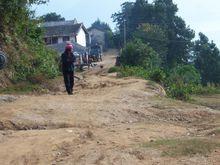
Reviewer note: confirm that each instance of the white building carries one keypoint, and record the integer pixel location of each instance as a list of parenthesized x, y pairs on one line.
[(97, 36), (65, 31)]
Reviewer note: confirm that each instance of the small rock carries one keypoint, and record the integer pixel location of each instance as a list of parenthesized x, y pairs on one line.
[(7, 98), (69, 131)]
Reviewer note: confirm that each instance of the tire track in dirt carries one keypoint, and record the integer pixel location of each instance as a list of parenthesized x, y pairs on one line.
[(104, 122)]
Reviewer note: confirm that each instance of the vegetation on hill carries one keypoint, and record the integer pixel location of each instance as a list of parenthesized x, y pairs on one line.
[(49, 17), (165, 50), (29, 59)]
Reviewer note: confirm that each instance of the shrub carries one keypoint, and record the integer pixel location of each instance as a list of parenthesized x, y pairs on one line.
[(34, 58), (113, 69), (128, 71), (178, 91), (157, 75), (210, 89), (179, 83), (186, 74), (182, 81), (137, 53), (184, 147), (40, 61)]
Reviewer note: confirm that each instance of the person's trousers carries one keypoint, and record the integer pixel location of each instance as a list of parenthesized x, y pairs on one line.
[(69, 81)]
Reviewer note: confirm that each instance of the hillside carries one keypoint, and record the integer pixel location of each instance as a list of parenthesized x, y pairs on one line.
[(28, 58), (107, 121)]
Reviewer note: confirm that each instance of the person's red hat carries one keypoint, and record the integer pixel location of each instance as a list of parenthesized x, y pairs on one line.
[(69, 46)]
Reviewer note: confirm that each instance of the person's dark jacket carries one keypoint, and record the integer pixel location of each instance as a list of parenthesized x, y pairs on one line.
[(68, 62)]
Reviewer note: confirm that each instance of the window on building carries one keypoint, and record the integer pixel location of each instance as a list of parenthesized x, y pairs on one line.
[(54, 40), (66, 38), (47, 41)]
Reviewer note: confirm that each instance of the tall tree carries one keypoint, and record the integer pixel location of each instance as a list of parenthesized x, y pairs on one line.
[(180, 36), (121, 19), (207, 60), (101, 25), (163, 14), (11, 14), (52, 17), (155, 37)]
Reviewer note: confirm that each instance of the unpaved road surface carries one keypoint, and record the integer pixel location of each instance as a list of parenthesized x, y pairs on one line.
[(106, 122)]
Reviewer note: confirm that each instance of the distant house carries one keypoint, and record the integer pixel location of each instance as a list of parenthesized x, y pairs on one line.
[(57, 34), (97, 36)]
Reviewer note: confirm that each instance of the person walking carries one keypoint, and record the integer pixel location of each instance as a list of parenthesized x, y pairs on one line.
[(68, 59)]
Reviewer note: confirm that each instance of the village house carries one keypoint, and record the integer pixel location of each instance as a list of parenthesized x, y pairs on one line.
[(97, 36), (57, 34)]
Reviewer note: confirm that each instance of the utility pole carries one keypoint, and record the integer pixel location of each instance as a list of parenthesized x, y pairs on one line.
[(125, 37)]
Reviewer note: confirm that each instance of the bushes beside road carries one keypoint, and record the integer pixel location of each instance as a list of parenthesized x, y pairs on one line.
[(140, 60)]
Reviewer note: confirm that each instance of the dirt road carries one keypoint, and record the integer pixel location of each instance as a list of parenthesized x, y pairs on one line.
[(107, 121)]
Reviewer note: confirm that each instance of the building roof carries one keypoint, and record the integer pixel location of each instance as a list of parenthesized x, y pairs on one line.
[(96, 28), (58, 23), (62, 28)]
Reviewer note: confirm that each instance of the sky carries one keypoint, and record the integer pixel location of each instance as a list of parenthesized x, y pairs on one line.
[(201, 16)]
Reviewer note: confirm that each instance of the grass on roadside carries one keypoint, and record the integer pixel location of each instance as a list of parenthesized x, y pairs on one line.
[(211, 101), (23, 88), (184, 147), (113, 69)]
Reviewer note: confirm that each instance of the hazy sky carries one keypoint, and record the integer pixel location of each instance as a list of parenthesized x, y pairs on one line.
[(202, 16)]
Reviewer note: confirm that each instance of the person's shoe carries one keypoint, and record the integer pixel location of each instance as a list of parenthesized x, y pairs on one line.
[(70, 93)]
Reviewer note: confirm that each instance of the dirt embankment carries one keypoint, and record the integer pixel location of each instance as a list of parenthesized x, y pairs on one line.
[(107, 121)]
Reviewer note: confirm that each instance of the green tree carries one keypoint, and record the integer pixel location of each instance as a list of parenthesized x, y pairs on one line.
[(121, 19), (155, 36), (52, 17), (12, 12), (207, 60), (137, 53), (180, 36), (163, 14), (23, 43), (98, 24)]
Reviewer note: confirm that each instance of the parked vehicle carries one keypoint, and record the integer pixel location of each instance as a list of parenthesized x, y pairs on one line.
[(96, 53), (82, 59)]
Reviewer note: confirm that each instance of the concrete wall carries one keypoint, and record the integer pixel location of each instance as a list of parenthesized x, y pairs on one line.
[(97, 36), (81, 37), (73, 39), (60, 40)]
